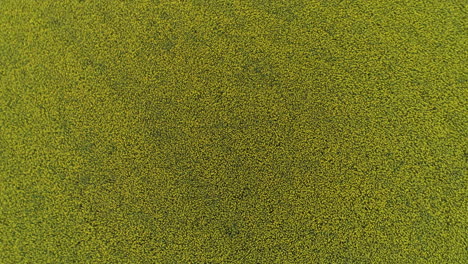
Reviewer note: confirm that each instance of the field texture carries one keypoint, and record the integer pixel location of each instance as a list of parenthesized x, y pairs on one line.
[(229, 131)]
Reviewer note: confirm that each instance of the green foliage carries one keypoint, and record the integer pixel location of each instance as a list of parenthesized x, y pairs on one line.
[(195, 131)]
